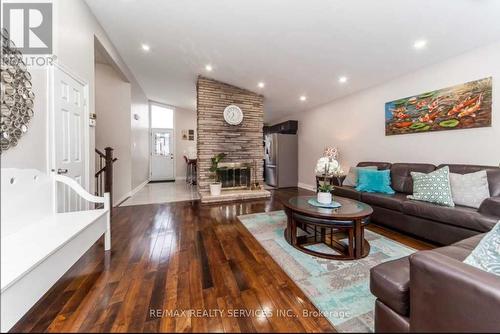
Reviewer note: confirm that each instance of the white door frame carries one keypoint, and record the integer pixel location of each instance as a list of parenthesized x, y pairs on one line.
[(51, 161), (174, 130)]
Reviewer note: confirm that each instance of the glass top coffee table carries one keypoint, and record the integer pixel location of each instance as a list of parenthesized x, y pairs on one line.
[(341, 230)]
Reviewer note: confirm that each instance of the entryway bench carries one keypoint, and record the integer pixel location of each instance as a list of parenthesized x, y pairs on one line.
[(38, 244)]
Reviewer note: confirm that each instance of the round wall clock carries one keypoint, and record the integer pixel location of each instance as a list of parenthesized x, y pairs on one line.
[(233, 115)]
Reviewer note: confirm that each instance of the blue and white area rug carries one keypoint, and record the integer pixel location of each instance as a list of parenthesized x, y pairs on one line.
[(339, 289)]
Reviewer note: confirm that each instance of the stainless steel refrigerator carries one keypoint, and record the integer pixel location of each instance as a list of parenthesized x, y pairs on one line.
[(281, 160)]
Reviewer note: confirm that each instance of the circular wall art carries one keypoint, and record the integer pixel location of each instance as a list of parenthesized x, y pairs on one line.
[(233, 115), (17, 96)]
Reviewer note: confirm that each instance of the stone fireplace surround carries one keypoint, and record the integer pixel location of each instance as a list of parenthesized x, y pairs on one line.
[(242, 143), (235, 175)]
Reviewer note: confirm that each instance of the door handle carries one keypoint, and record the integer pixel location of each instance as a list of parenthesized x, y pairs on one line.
[(61, 171)]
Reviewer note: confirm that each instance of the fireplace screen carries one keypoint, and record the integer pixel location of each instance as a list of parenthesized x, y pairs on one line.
[(235, 175)]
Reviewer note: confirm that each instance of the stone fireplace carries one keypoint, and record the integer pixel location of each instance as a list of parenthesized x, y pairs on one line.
[(242, 143)]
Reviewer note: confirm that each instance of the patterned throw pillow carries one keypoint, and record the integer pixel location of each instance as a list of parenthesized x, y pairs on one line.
[(486, 255), (433, 187)]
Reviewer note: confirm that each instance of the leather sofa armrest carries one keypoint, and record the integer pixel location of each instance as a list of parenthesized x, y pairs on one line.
[(491, 206), (447, 295)]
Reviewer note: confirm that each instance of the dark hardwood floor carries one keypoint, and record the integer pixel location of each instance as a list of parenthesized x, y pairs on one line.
[(180, 257)]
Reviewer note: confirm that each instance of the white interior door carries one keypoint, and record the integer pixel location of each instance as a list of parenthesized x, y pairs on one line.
[(69, 137), (162, 154)]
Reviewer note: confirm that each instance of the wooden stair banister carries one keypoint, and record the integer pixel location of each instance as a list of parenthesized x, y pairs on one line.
[(104, 176)]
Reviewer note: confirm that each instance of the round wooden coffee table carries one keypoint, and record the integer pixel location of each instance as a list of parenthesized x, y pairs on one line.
[(310, 228)]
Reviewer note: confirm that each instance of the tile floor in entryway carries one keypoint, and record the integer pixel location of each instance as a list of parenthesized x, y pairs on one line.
[(163, 192)]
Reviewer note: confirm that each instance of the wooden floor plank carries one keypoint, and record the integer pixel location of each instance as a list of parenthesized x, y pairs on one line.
[(181, 257)]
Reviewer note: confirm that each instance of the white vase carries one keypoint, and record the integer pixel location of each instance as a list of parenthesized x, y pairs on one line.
[(325, 198), (215, 189)]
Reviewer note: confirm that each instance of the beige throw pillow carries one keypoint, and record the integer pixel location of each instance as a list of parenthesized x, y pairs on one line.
[(351, 179), (469, 189)]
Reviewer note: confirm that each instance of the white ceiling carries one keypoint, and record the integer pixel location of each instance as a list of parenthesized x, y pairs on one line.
[(297, 47)]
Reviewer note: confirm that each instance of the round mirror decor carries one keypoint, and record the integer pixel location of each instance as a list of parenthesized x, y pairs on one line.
[(17, 97)]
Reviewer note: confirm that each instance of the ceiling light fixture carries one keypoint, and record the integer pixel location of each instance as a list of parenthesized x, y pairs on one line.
[(208, 68), (145, 47), (261, 84), (420, 44), (343, 79), (303, 98)]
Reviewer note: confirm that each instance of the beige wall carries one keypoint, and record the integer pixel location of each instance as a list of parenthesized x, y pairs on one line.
[(139, 137), (75, 29), (112, 106), (356, 124), (183, 120)]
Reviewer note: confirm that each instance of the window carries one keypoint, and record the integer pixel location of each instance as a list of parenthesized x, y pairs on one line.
[(161, 144), (162, 117)]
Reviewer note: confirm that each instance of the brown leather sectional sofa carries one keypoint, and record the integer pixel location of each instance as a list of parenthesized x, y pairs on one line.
[(438, 224), (434, 291)]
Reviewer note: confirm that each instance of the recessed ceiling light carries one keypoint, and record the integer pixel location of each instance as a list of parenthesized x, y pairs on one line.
[(145, 47), (261, 84), (208, 68), (420, 44), (303, 98), (342, 79)]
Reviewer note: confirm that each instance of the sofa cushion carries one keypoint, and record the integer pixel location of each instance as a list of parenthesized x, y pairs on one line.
[(348, 192), (461, 216), (393, 202), (490, 206), (460, 250), (390, 282), (379, 165), (492, 172), (401, 178), (470, 243)]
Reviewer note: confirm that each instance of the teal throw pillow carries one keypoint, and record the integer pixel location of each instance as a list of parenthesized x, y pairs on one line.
[(486, 255), (375, 181), (433, 187)]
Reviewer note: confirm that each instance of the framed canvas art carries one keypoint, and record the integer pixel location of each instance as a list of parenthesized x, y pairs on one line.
[(463, 106)]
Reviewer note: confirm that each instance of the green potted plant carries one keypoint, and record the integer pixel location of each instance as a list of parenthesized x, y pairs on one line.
[(216, 185)]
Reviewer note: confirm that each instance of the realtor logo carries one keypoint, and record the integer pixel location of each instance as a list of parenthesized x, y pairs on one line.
[(29, 26)]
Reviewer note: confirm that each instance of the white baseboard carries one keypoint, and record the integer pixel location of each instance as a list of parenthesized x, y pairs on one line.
[(306, 186), (130, 193), (139, 187)]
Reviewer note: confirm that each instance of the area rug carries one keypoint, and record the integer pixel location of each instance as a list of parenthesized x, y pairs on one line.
[(339, 289)]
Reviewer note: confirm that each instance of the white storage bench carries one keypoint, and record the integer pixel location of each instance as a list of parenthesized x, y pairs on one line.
[(39, 245)]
